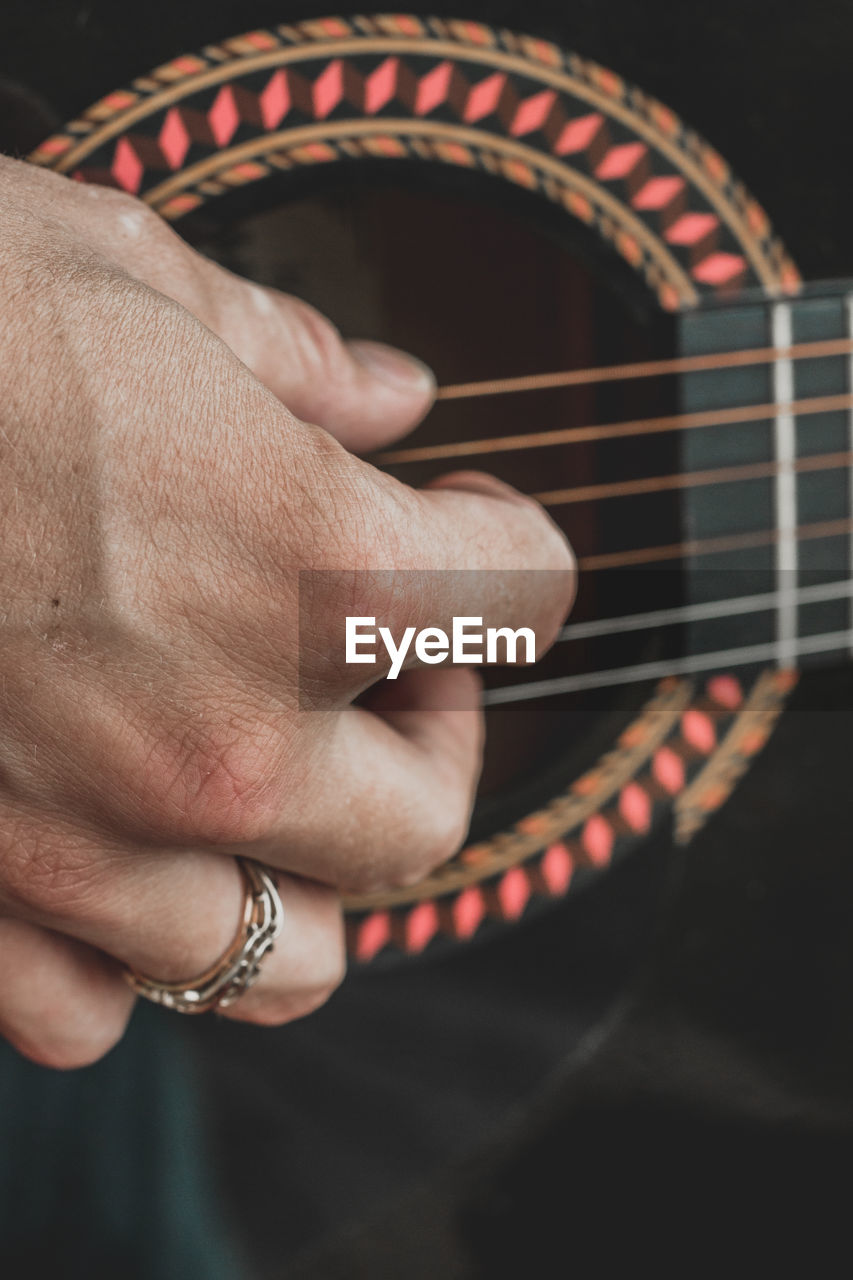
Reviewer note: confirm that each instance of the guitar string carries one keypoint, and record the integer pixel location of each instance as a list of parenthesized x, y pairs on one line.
[(720, 609), (720, 659), (691, 479), (742, 655), (699, 547), (736, 414), (728, 607), (644, 369)]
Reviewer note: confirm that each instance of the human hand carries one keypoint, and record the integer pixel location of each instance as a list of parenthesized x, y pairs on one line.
[(161, 488)]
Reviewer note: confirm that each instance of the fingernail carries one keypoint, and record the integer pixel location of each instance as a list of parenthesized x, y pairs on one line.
[(396, 368)]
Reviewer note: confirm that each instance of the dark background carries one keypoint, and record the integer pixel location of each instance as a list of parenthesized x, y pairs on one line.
[(665, 1064)]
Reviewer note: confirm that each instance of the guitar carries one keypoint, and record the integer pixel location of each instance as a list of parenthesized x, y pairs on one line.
[(617, 330)]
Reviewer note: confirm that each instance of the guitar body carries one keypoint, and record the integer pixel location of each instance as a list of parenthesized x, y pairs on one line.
[(504, 207)]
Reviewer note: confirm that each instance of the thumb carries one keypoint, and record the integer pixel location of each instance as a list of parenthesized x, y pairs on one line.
[(366, 394)]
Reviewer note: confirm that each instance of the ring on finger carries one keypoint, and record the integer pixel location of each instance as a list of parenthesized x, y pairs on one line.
[(239, 967)]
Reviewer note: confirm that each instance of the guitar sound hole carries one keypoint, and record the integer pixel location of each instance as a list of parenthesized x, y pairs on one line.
[(485, 286)]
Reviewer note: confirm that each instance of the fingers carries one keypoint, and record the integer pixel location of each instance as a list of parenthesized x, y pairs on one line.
[(490, 526), (366, 394), (527, 575), (208, 502), (169, 915), (306, 964), (390, 794), (408, 779), (62, 1003), (468, 547)]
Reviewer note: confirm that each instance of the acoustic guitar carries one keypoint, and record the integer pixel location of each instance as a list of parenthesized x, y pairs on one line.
[(616, 329)]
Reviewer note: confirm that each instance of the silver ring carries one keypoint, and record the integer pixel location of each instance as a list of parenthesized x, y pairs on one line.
[(236, 971)]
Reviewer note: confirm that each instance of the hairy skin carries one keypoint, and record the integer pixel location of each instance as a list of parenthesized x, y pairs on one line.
[(162, 483)]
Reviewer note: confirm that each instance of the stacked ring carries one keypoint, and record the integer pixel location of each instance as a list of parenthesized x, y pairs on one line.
[(236, 971)]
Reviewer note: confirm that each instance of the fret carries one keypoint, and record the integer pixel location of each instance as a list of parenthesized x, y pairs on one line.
[(822, 314), (730, 508), (785, 488)]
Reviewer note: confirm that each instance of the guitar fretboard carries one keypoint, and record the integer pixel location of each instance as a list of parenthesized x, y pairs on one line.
[(772, 570)]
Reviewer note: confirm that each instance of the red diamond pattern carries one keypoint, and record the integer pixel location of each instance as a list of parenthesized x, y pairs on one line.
[(433, 88), (597, 840), (532, 113), (328, 89), (274, 101), (421, 926), (694, 232), (620, 161), (668, 770), (174, 138), (468, 911), (578, 134), (127, 168), (224, 116), (635, 807), (691, 227), (484, 97), (381, 85), (720, 268), (657, 193), (513, 893), (698, 730), (727, 691), (556, 868), (374, 933)]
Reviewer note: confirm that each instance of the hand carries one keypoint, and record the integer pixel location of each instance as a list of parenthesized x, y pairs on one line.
[(161, 487)]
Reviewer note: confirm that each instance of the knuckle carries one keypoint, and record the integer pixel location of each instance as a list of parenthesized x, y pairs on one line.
[(358, 881), (121, 216), (134, 237), (319, 342), (222, 787), (378, 871), (449, 828), (48, 875), (415, 858), (140, 224), (445, 838), (348, 519), (122, 202)]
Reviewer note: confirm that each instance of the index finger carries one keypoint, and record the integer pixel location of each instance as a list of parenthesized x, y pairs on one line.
[(478, 549), (403, 564)]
